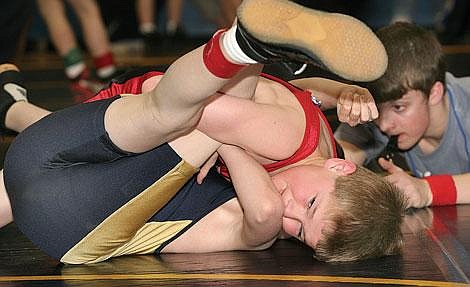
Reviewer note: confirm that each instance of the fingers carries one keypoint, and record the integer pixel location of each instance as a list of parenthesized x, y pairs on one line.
[(388, 165), (374, 111), (201, 175), (365, 109), (204, 170), (343, 108), (348, 109), (354, 108)]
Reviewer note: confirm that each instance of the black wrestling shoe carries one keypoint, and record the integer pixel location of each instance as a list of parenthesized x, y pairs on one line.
[(12, 90), (272, 31)]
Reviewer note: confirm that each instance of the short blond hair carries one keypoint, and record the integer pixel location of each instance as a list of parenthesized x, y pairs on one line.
[(367, 216)]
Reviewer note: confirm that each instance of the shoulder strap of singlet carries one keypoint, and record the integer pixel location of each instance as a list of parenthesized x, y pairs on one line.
[(337, 150), (312, 126)]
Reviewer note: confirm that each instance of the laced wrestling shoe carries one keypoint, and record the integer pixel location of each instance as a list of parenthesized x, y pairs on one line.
[(12, 90), (282, 31)]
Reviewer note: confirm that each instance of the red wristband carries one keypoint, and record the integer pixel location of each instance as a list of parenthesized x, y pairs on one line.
[(443, 189), (215, 60)]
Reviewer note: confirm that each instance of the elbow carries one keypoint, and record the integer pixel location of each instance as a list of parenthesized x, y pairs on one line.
[(269, 212), (263, 224)]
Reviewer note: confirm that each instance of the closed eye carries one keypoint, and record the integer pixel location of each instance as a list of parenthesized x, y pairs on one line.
[(301, 229), (299, 235), (311, 202)]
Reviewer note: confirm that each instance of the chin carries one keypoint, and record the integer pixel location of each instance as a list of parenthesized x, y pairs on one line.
[(405, 144)]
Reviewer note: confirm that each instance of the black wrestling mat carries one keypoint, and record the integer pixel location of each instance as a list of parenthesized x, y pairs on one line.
[(436, 253)]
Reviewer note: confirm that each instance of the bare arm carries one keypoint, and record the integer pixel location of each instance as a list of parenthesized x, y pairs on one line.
[(355, 104), (328, 91), (352, 152), (253, 126), (462, 183), (261, 202)]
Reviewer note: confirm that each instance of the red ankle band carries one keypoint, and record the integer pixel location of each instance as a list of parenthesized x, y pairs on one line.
[(104, 60), (215, 60), (443, 189)]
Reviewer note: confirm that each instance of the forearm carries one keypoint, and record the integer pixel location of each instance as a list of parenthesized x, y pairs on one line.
[(325, 90), (260, 200), (352, 152), (462, 184)]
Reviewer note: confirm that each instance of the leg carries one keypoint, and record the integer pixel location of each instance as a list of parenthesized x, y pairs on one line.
[(172, 109), (176, 99), (173, 11), (145, 10), (23, 114), (95, 36), (65, 42), (94, 31), (69, 158), (16, 114), (60, 30), (140, 123)]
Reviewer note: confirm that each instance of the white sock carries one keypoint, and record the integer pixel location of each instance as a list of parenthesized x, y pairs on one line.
[(171, 27), (74, 70), (105, 72), (147, 28), (233, 50)]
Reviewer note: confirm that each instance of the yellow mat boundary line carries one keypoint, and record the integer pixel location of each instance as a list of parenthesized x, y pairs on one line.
[(234, 276)]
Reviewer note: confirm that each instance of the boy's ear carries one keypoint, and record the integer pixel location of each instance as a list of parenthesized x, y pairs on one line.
[(340, 166), (437, 93)]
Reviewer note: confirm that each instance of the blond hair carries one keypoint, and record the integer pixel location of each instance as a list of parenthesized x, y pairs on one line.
[(366, 219)]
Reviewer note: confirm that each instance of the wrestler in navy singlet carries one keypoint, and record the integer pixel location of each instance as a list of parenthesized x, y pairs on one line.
[(71, 189)]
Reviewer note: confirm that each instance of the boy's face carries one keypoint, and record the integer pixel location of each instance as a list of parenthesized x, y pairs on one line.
[(308, 198), (407, 118)]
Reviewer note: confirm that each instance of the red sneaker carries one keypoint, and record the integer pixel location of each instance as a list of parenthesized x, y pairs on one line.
[(84, 89)]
